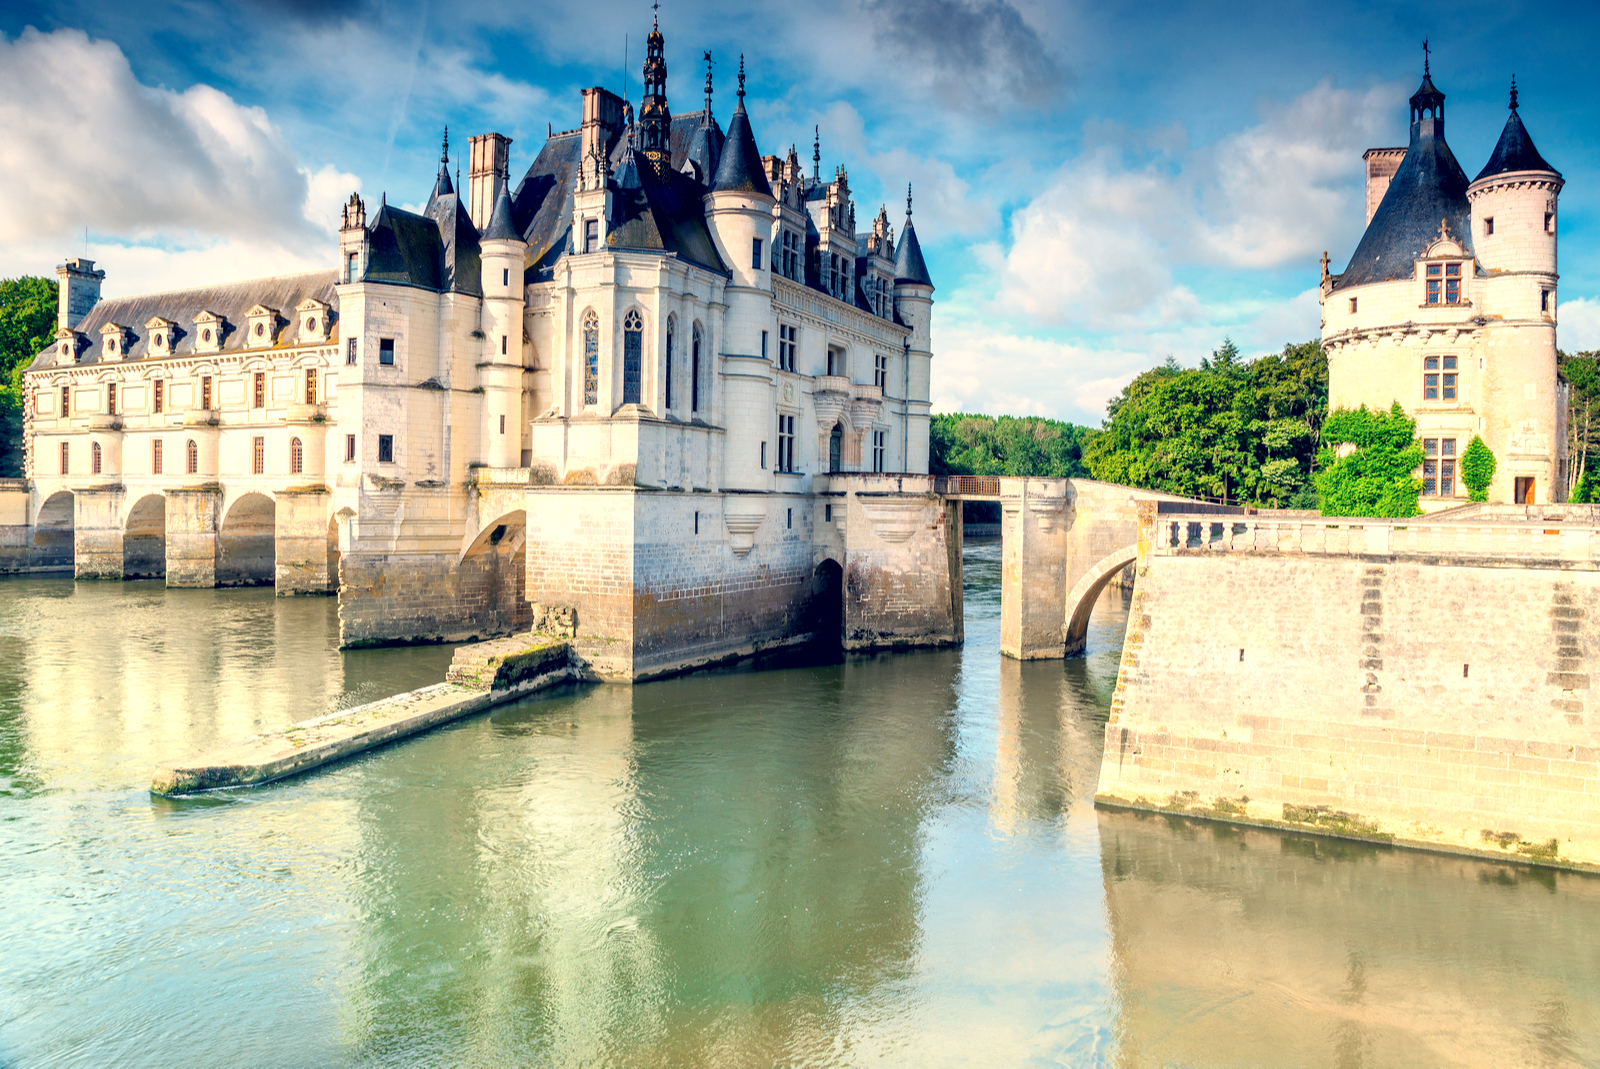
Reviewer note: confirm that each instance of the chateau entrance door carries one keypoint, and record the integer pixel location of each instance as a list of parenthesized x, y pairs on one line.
[(1523, 493)]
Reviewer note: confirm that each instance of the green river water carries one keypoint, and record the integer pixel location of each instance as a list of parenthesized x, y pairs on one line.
[(893, 860)]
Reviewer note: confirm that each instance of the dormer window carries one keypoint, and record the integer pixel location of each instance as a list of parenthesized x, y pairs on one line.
[(113, 341), (209, 330), (312, 316), (1444, 283), (67, 345), (161, 335), (261, 327)]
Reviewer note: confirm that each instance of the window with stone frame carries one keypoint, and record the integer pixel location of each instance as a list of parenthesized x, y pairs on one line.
[(878, 449), (591, 359), (65, 455), (880, 370), (296, 457), (632, 357), (385, 449), (158, 397), (155, 456), (205, 392), (785, 442), (672, 330), (1439, 378), (111, 398), (311, 385), (191, 457), (788, 342), (1439, 467), (695, 342), (94, 458), (66, 401), (1444, 283), (259, 393), (258, 455)]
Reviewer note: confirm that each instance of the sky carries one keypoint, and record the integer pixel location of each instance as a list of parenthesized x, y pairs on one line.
[(1098, 186)]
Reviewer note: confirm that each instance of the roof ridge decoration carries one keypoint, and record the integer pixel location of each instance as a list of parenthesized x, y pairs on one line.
[(740, 169)]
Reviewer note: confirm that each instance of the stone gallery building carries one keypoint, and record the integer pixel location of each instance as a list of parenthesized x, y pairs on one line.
[(1449, 307), (614, 389)]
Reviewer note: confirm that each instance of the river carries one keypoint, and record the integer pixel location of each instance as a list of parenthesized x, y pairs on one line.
[(893, 860)]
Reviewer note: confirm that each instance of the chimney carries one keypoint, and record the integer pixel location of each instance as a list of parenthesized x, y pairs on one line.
[(79, 291), (1382, 163), (491, 164)]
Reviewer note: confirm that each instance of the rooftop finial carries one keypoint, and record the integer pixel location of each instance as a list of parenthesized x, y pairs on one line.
[(1513, 92), (708, 83), (741, 75), (908, 200), (816, 156), (655, 18), (444, 153), (1425, 51)]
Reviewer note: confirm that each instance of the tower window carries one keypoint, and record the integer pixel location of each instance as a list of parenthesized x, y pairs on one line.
[(349, 449), (755, 254), (1488, 227), (632, 357), (350, 351), (505, 276), (694, 369), (785, 442), (1544, 300), (296, 457), (502, 424), (191, 457), (1444, 283), (1439, 378), (66, 403), (350, 276), (672, 328), (763, 345), (385, 449), (1549, 222), (1439, 467), (386, 351), (94, 458), (763, 456), (502, 345), (1352, 306), (205, 392), (591, 359), (311, 385), (591, 235)]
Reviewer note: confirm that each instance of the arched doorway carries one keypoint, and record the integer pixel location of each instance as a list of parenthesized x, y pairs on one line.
[(495, 564), (53, 533), (247, 544), (826, 610), (835, 447), (144, 540), (1086, 591)]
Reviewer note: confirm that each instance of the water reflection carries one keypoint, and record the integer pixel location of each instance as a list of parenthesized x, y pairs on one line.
[(890, 860)]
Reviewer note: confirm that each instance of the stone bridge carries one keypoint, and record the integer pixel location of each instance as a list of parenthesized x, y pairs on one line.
[(1062, 541)]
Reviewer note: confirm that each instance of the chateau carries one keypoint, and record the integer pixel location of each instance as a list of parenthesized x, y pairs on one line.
[(1448, 306), (607, 397)]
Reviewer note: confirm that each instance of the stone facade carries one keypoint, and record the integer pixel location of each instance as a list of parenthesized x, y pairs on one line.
[(609, 389), (1448, 307), (1413, 682)]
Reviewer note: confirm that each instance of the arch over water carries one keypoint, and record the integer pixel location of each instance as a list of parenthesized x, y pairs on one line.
[(247, 542), (826, 610), (144, 539), (496, 559), (1087, 590), (54, 532)]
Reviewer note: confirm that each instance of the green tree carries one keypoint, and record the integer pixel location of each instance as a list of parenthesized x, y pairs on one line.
[(1581, 373), (1231, 429), (1377, 476), (1477, 469), (964, 444), (27, 324)]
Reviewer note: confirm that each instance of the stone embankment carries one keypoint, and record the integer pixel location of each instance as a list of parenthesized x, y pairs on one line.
[(481, 676)]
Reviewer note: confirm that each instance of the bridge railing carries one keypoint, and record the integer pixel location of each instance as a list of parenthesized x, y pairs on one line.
[(968, 485), (1178, 534)]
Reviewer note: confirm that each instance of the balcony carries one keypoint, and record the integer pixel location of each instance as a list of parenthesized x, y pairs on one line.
[(301, 413), (202, 417)]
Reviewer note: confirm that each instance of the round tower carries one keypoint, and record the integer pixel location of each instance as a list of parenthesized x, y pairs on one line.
[(1514, 204), (913, 304), (501, 368)]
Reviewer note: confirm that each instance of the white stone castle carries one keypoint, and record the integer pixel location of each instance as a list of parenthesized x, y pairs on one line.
[(1449, 307), (617, 387)]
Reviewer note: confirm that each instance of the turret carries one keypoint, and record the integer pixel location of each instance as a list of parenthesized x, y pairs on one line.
[(500, 371), (353, 241), (1514, 206), (740, 202), (913, 302), (491, 163)]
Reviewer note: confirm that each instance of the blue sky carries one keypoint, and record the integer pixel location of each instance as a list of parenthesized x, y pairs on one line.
[(1098, 185)]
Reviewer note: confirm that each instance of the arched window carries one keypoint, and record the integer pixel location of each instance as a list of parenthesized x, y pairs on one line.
[(591, 359), (835, 445), (191, 457), (632, 355), (94, 458), (296, 456), (694, 369), (672, 328)]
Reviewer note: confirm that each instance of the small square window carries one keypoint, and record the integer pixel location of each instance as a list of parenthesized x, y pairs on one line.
[(1430, 363), (386, 351), (385, 449)]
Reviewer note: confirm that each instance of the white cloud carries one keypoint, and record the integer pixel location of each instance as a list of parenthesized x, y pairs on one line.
[(1578, 325), (1098, 249), (169, 179)]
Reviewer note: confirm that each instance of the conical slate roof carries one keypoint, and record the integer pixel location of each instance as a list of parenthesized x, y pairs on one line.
[(1430, 188), (1515, 151), (908, 263), (739, 170), (501, 228)]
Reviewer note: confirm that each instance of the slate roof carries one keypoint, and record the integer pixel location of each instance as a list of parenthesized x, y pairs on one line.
[(909, 265), (460, 255), (231, 301), (1429, 187), (1514, 152), (740, 169), (500, 226), (405, 250)]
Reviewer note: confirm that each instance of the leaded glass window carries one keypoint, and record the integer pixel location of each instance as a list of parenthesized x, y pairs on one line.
[(632, 356), (591, 359)]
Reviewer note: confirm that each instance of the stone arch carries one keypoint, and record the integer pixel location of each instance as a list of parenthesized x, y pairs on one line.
[(825, 610), (144, 539), (54, 530), (494, 568), (1086, 591), (247, 542)]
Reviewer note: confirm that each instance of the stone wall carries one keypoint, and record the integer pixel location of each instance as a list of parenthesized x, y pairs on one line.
[(901, 546), (1425, 684), (428, 597), (16, 532)]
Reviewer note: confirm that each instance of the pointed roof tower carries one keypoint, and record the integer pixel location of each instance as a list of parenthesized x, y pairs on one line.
[(705, 146), (1515, 151), (740, 169), (442, 186), (655, 119), (909, 267), (501, 227), (1428, 189)]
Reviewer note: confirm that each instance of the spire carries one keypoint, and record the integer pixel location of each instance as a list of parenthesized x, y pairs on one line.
[(909, 266), (708, 84), (655, 120), (741, 79), (1427, 105), (908, 204), (740, 169), (501, 227), (442, 187), (1514, 151)]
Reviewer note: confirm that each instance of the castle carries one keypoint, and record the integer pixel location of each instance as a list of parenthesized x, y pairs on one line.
[(1448, 306), (607, 398)]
